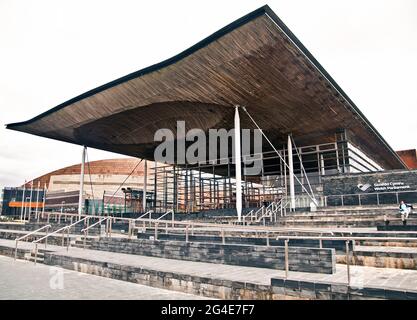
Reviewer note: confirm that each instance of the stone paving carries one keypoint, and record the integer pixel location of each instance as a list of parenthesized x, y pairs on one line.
[(23, 280), (387, 249)]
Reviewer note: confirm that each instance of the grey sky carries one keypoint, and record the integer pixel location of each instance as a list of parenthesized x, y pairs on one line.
[(51, 51)]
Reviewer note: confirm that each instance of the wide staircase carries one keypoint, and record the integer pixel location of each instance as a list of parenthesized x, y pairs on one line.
[(272, 254)]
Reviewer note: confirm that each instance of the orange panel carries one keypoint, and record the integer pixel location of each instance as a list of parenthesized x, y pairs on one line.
[(18, 204)]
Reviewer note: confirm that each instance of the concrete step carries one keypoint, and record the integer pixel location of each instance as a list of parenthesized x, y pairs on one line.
[(383, 257), (30, 256)]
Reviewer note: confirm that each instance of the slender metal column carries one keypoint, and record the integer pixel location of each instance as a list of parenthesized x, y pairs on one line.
[(238, 165), (30, 200), (291, 173), (155, 184), (37, 199), (322, 169), (145, 185), (80, 198), (23, 201), (44, 199)]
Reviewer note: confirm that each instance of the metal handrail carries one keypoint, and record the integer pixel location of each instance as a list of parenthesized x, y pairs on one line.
[(60, 229), (347, 240), (145, 214), (227, 226), (269, 211), (201, 224), (66, 228), (166, 213), (27, 235), (94, 224), (85, 230), (172, 212)]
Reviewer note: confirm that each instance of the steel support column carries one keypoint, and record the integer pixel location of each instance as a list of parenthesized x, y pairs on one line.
[(238, 165), (80, 197), (145, 185), (291, 173)]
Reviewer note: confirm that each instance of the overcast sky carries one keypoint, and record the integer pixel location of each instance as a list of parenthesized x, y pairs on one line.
[(51, 51)]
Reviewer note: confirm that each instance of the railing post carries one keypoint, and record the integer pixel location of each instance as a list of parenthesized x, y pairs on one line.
[(286, 258), (321, 243), (267, 238), (223, 237), (156, 231), (63, 237), (186, 233), (15, 251), (173, 218), (68, 240), (36, 253), (348, 262), (88, 223), (47, 219), (46, 239), (110, 225), (377, 199), (130, 229), (84, 238)]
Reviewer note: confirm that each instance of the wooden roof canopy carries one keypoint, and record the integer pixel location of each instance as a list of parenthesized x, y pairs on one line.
[(255, 62)]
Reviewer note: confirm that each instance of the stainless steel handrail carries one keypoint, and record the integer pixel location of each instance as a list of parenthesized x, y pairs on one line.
[(145, 214), (347, 240), (85, 230), (166, 213), (66, 228), (27, 235)]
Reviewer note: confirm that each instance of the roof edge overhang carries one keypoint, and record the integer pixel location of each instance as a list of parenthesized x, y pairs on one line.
[(213, 37)]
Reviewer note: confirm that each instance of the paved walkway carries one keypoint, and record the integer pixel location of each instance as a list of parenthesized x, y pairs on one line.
[(360, 276), (21, 280), (387, 249)]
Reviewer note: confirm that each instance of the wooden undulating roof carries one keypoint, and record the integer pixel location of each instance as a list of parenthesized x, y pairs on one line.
[(255, 62)]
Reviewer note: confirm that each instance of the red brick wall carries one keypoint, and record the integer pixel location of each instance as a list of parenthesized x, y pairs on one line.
[(111, 166), (409, 157)]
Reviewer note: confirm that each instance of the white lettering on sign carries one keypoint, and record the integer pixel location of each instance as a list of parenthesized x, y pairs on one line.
[(391, 186)]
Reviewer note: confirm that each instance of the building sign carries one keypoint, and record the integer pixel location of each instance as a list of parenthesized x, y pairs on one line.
[(384, 186), (381, 182)]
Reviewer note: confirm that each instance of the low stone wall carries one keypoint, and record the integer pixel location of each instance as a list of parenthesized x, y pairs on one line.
[(382, 259), (338, 245), (398, 227), (203, 286), (336, 291), (279, 289), (10, 252), (32, 226), (54, 240), (300, 259)]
